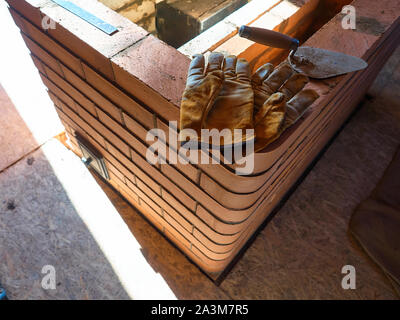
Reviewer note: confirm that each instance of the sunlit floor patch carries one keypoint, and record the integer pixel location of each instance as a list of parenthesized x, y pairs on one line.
[(106, 226)]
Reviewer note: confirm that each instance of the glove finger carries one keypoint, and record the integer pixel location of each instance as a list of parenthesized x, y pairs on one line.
[(271, 126), (294, 85), (230, 66), (197, 101), (262, 73), (243, 70), (196, 69), (299, 104), (273, 102), (214, 62), (278, 77)]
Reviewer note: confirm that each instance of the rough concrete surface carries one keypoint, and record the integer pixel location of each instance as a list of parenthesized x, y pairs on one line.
[(39, 227), (54, 212)]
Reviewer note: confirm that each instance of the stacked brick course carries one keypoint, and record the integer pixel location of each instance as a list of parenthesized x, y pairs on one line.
[(113, 89)]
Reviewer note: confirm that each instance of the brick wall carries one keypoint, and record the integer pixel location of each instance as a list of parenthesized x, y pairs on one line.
[(116, 123), (112, 89)]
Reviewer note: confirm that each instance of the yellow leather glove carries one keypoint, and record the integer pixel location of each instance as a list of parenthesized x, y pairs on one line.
[(221, 97), (279, 101), (233, 108), (202, 88)]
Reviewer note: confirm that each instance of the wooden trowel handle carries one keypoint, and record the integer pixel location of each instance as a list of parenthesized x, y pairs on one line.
[(269, 38)]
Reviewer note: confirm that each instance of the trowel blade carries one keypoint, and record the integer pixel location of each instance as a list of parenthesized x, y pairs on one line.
[(320, 63)]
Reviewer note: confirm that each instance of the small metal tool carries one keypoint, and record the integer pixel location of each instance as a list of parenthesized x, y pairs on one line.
[(87, 16), (314, 62)]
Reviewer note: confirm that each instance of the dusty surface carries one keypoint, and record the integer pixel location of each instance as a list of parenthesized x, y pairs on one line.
[(39, 226), (53, 212)]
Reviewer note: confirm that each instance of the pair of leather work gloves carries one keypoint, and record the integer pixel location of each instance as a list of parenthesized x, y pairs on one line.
[(224, 95)]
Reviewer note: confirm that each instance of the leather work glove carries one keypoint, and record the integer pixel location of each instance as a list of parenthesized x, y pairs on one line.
[(202, 88), (221, 97), (233, 108), (279, 101)]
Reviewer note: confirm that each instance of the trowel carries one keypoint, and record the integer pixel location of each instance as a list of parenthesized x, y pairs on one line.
[(314, 62)]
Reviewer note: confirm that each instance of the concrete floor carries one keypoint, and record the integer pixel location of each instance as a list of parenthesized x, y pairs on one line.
[(54, 212)]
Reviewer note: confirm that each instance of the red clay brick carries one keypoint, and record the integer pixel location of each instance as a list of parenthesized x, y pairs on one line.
[(29, 9), (115, 171), (71, 91), (155, 64), (121, 132), (145, 94), (38, 64), (91, 93), (128, 174), (53, 98), (153, 194), (178, 205), (181, 181), (212, 244), (218, 225), (200, 225), (171, 211), (173, 214), (129, 195), (171, 233), (177, 226), (114, 185), (115, 167), (165, 182), (82, 124), (138, 157), (145, 197), (174, 218), (215, 236), (105, 132), (132, 167), (18, 20), (135, 127), (206, 251), (88, 42), (99, 131), (119, 98), (122, 158), (83, 51), (43, 55), (114, 178), (59, 93), (188, 169), (164, 127), (54, 48), (151, 215)]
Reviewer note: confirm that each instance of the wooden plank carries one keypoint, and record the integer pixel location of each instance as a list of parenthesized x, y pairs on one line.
[(227, 28), (285, 17)]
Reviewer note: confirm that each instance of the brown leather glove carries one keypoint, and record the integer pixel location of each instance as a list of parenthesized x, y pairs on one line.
[(221, 97), (279, 101), (233, 108), (202, 88)]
